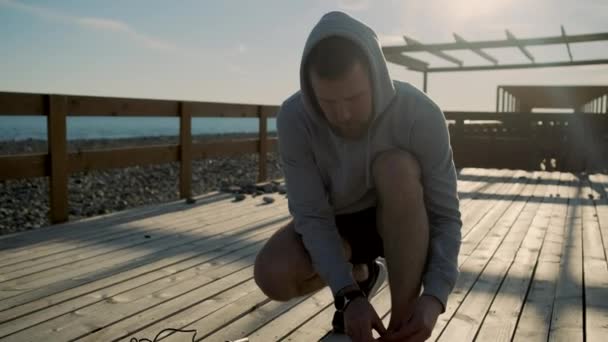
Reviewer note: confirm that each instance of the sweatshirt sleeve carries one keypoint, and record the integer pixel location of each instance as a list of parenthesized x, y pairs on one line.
[(430, 142), (308, 202)]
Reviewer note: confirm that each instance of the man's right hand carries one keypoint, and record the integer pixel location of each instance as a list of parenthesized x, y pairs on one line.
[(360, 318)]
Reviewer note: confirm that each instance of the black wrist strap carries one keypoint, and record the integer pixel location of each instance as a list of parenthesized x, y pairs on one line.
[(343, 299), (356, 294)]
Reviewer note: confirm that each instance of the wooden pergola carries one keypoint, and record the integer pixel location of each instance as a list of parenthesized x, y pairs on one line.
[(395, 54), (581, 99)]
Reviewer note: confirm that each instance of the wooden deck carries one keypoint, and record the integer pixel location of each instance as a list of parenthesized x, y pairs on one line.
[(533, 267)]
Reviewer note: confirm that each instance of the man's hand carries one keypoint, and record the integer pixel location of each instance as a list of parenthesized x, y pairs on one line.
[(420, 325), (359, 318)]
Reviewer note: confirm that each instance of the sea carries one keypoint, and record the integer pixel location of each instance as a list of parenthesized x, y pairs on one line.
[(15, 128)]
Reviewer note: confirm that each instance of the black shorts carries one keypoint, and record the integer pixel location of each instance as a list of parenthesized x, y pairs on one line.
[(359, 229)]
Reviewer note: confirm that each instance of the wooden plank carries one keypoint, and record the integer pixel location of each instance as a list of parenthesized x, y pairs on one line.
[(185, 136), (34, 165), (18, 247), (21, 104), (484, 200), (137, 156), (209, 327), (245, 234), (535, 317), (465, 323), (23, 166), (488, 213), (227, 303), (90, 269), (38, 263), (224, 148), (472, 265), (187, 263), (296, 316), (567, 317), (58, 181), (86, 232), (117, 106), (98, 232), (264, 318), (270, 111), (595, 269), (599, 182), (122, 157), (499, 324), (90, 322), (195, 267), (224, 110), (263, 145), (466, 188), (509, 117), (33, 104), (320, 324), (31, 286)]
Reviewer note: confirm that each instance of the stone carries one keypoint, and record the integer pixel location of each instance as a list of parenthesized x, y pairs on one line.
[(268, 199), (234, 189)]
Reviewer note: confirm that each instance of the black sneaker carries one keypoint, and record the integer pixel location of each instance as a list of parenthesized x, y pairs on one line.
[(377, 276), (338, 323)]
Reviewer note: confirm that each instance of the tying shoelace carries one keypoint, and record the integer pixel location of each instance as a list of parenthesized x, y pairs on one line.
[(133, 339)]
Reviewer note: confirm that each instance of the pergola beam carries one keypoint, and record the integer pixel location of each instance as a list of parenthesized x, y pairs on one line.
[(407, 61), (496, 43), (519, 66), (477, 51), (411, 41), (566, 42), (521, 47)]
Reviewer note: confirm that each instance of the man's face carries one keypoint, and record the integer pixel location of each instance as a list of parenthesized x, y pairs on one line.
[(346, 102)]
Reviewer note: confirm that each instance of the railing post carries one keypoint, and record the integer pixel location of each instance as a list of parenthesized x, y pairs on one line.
[(185, 144), (458, 139), (263, 146), (56, 111), (497, 97)]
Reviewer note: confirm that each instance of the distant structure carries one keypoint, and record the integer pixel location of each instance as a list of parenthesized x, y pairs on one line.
[(579, 99), (395, 54)]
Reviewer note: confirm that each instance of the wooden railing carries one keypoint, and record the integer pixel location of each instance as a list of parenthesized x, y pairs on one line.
[(572, 142), (565, 142), (58, 164)]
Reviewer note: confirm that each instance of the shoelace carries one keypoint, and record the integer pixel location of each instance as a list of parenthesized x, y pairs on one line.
[(133, 339)]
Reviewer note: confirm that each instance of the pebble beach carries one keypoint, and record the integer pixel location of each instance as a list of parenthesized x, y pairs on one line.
[(24, 203)]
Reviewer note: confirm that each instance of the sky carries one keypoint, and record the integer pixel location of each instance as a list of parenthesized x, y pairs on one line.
[(249, 51)]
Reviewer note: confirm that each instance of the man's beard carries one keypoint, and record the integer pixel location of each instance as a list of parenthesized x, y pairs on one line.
[(354, 132)]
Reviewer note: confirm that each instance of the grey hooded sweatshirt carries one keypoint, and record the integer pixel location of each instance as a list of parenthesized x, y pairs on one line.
[(327, 175)]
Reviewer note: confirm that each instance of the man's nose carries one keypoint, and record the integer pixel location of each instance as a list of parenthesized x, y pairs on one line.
[(342, 113)]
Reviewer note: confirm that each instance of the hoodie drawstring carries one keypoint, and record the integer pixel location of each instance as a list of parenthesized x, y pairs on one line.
[(367, 161)]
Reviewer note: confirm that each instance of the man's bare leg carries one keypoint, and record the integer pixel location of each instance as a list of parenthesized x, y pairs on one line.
[(283, 269), (403, 226)]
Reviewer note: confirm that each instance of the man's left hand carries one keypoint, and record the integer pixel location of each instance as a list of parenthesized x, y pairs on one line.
[(420, 325)]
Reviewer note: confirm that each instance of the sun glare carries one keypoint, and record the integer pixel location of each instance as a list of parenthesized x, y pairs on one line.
[(466, 9)]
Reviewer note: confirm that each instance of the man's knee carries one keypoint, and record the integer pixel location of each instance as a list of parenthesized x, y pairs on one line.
[(393, 167), (278, 266), (269, 277)]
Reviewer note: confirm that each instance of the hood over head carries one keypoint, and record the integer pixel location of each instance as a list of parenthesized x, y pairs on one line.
[(342, 25)]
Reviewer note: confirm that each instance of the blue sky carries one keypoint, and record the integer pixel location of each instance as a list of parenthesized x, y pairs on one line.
[(249, 51)]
